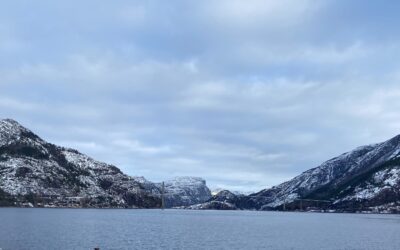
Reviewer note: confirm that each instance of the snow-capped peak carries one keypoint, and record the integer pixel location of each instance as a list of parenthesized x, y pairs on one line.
[(11, 131)]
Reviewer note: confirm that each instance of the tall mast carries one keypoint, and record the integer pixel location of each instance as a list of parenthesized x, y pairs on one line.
[(162, 196)]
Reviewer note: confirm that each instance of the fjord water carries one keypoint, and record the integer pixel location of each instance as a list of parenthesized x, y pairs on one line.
[(182, 229)]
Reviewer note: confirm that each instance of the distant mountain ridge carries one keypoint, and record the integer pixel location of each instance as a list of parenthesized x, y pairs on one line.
[(221, 200), (186, 191), (179, 191), (34, 172), (365, 179)]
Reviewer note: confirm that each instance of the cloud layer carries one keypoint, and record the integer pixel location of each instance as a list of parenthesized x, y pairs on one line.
[(246, 94)]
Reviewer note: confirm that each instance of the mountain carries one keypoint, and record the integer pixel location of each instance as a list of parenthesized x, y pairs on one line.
[(235, 192), (221, 200), (34, 172), (367, 178), (185, 191), (180, 191)]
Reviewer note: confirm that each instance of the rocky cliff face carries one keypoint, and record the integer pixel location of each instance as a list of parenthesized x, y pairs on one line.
[(38, 173), (185, 191)]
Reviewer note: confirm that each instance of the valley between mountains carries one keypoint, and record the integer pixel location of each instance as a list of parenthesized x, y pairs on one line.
[(36, 173)]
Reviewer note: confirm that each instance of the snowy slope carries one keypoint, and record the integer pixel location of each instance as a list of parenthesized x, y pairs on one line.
[(365, 179), (221, 200), (34, 171), (368, 175)]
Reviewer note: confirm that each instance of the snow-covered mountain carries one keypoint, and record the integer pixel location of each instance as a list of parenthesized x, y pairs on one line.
[(185, 191), (179, 191), (221, 200), (366, 178), (38, 173)]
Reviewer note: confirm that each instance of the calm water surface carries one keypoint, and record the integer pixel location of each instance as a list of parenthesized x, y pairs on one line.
[(181, 229)]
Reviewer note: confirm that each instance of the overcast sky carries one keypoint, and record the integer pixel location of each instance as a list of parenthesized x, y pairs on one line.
[(244, 93)]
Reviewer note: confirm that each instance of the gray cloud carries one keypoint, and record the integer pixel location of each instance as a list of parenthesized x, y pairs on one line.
[(243, 93)]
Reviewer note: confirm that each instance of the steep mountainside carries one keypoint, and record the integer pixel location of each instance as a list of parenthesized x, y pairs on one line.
[(36, 173), (185, 191), (366, 178)]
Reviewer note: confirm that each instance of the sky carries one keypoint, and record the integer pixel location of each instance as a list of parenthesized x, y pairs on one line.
[(244, 93)]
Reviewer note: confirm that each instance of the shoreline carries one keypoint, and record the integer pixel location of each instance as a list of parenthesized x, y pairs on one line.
[(175, 209)]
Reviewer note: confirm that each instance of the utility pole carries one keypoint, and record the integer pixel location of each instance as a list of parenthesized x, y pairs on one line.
[(162, 196), (284, 205)]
